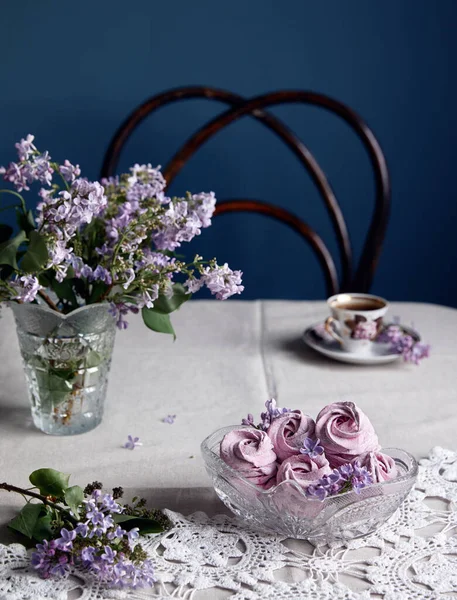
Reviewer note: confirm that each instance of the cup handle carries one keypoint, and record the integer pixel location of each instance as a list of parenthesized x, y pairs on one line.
[(332, 328)]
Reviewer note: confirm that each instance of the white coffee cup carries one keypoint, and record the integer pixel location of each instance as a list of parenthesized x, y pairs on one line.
[(356, 320)]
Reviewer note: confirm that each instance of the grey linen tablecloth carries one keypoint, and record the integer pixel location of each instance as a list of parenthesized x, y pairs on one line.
[(229, 358)]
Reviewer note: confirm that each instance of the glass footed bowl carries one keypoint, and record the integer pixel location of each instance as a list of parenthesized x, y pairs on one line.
[(285, 509)]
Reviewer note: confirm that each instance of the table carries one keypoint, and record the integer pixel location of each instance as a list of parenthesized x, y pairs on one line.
[(229, 358)]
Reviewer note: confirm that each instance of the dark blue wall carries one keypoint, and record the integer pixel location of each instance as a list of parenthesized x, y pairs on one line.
[(71, 71)]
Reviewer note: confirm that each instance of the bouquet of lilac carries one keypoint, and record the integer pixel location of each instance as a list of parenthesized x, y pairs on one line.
[(112, 241), (86, 529), (336, 453)]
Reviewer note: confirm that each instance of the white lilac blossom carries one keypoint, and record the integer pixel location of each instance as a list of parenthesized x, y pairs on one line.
[(27, 288), (132, 442), (100, 546)]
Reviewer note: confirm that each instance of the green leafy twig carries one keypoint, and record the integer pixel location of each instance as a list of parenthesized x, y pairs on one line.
[(26, 492)]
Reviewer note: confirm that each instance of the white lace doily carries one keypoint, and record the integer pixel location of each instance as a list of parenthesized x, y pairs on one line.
[(412, 557)]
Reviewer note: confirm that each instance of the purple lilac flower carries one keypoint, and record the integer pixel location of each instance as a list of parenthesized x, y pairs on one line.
[(109, 555), (62, 567), (82, 529), (110, 566), (147, 297), (311, 447), (346, 471), (271, 413), (361, 478), (316, 492), (119, 310), (65, 542), (65, 214), (43, 556), (391, 334), (117, 533), (332, 483), (346, 477), (101, 274), (18, 175), (110, 504), (178, 224), (87, 554), (145, 182), (404, 344), (222, 281), (194, 285), (25, 147), (169, 419), (27, 288), (96, 516), (129, 274), (203, 205), (249, 420), (70, 172), (40, 168), (417, 353), (132, 443), (133, 535)]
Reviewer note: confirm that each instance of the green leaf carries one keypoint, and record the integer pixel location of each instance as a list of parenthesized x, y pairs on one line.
[(50, 482), (93, 359), (25, 221), (157, 321), (98, 289), (37, 253), (144, 525), (5, 232), (74, 497), (164, 305), (64, 291), (9, 248), (26, 521), (55, 385), (43, 529)]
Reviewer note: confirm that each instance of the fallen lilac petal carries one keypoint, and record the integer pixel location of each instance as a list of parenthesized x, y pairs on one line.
[(132, 443), (169, 419)]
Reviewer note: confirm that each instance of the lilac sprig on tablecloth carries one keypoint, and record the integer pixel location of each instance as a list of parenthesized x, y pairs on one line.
[(99, 545)]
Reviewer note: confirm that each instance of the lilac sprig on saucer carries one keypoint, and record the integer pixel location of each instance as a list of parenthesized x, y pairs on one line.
[(403, 343)]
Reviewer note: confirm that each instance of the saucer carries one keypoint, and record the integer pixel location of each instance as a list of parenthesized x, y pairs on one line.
[(316, 338)]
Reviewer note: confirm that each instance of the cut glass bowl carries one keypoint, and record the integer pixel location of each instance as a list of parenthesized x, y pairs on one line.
[(285, 509)]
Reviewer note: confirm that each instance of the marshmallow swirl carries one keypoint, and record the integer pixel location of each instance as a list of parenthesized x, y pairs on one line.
[(251, 453), (345, 432), (288, 431)]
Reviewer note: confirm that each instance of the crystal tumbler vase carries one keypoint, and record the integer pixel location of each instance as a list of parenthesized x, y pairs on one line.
[(66, 362)]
